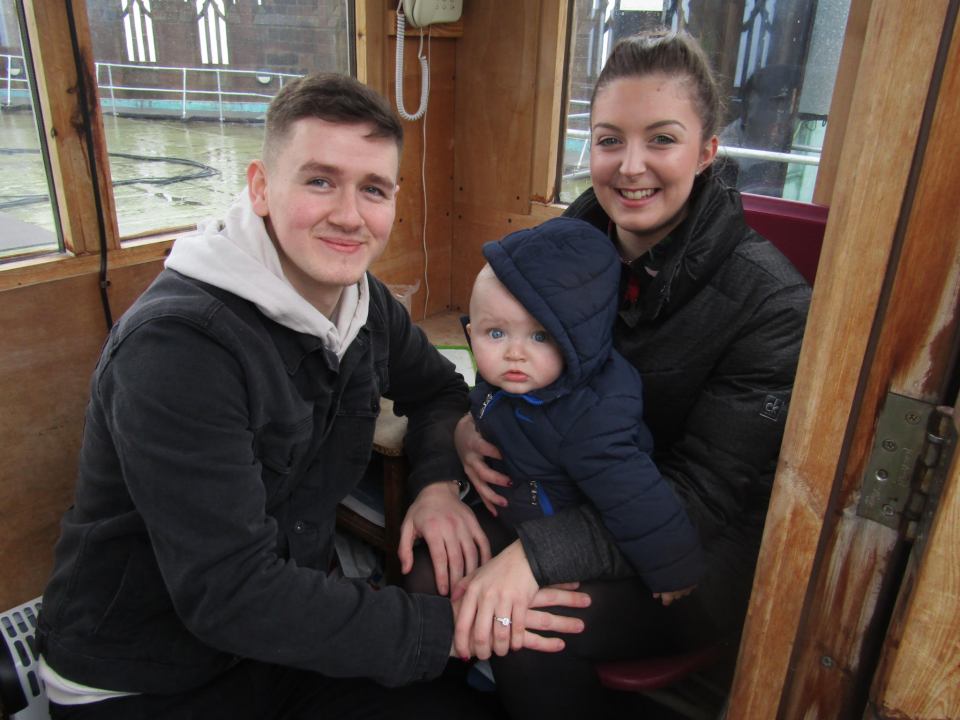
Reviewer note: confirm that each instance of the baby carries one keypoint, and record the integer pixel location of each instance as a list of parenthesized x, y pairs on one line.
[(564, 408)]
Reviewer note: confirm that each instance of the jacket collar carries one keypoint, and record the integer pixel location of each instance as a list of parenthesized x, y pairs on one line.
[(691, 253)]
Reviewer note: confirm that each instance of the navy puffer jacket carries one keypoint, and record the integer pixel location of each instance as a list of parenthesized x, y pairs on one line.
[(582, 439)]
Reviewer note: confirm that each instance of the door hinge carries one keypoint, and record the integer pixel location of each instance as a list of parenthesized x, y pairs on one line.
[(911, 453)]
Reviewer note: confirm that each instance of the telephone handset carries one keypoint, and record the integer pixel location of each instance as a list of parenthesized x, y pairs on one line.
[(420, 13)]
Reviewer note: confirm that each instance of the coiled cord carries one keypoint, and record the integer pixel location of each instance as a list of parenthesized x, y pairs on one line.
[(424, 75)]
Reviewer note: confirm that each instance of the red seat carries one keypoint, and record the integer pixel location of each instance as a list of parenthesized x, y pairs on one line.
[(654, 673), (795, 228)]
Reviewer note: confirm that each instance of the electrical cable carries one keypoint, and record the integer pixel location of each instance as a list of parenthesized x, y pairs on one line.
[(203, 171), (423, 184), (82, 94)]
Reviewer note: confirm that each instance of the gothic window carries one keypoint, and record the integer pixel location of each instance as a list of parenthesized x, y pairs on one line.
[(138, 30), (212, 28)]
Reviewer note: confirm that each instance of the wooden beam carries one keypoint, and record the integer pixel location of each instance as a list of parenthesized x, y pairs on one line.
[(843, 87), (548, 103), (917, 674), (371, 43), (61, 61), (820, 565)]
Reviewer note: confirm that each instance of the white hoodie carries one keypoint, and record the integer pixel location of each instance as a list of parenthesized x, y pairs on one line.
[(237, 255)]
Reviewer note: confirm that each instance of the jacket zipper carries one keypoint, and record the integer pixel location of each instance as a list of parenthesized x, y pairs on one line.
[(483, 407)]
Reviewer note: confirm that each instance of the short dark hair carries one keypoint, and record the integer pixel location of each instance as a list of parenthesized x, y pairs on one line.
[(332, 97), (674, 54)]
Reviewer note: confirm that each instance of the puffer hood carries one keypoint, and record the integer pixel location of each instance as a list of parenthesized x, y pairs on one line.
[(566, 273)]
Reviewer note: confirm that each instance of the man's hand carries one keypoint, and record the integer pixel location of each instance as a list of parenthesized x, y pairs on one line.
[(457, 544), (495, 608), (472, 449)]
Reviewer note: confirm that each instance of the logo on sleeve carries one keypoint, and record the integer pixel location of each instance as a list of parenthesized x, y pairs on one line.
[(772, 406)]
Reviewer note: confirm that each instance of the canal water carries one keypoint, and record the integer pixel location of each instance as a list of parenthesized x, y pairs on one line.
[(166, 172)]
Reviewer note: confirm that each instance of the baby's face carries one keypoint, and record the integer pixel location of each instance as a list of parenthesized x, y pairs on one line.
[(511, 348)]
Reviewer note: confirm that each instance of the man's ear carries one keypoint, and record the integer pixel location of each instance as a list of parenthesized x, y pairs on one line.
[(257, 187)]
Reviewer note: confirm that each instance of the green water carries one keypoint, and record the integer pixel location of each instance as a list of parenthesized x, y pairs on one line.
[(166, 172)]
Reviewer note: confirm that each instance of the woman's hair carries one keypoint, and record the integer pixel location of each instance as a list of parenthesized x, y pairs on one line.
[(331, 97), (674, 54)]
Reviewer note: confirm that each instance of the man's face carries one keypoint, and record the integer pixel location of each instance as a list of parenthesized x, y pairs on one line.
[(328, 199)]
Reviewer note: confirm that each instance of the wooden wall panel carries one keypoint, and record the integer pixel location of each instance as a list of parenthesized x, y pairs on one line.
[(404, 259), (411, 249), (497, 60), (806, 647), (52, 333)]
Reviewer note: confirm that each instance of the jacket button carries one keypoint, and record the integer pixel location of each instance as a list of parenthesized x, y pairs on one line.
[(298, 527)]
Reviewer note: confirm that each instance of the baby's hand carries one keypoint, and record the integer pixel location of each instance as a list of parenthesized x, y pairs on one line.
[(668, 597)]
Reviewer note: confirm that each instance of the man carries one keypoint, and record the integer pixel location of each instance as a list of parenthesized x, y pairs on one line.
[(232, 408)]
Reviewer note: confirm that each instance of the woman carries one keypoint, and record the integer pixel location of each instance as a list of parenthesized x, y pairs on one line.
[(712, 316)]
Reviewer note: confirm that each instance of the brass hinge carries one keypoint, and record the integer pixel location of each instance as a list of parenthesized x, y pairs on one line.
[(911, 453)]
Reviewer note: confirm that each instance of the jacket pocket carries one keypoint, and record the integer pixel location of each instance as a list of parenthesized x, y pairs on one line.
[(281, 448)]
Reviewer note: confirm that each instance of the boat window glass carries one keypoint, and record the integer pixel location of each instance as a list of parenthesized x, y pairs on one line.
[(184, 87), (777, 61), (28, 217)]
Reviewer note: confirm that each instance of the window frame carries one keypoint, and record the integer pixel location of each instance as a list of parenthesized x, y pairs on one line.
[(61, 45)]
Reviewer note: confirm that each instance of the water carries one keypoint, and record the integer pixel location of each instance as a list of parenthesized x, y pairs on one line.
[(167, 173)]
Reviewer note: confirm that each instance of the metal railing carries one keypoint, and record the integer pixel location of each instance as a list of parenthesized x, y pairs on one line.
[(181, 86), (14, 72), (192, 86), (812, 156)]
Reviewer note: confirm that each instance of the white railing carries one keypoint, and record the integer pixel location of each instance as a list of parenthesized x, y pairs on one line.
[(14, 73), (811, 156), (181, 86), (185, 83)]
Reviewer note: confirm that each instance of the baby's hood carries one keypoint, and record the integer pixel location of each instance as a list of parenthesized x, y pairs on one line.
[(566, 273)]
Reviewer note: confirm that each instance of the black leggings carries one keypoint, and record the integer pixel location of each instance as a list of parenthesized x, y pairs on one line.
[(623, 621)]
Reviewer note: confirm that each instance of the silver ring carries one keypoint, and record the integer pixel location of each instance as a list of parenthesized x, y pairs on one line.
[(505, 621)]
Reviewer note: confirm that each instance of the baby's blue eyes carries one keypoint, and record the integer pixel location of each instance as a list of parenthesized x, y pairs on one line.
[(540, 336)]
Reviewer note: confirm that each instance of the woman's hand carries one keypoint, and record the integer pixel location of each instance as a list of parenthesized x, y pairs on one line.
[(457, 544), (495, 608), (668, 597), (472, 449)]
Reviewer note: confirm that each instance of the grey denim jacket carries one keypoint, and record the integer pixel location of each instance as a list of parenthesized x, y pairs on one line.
[(217, 445)]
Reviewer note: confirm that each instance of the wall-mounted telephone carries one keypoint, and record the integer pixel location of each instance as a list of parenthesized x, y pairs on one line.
[(420, 13)]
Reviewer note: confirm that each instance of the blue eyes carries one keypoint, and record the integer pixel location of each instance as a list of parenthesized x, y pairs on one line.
[(539, 336)]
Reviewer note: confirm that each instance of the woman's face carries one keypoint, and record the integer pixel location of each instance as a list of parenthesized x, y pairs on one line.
[(646, 148)]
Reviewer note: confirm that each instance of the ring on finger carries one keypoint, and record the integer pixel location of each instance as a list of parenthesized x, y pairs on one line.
[(505, 621)]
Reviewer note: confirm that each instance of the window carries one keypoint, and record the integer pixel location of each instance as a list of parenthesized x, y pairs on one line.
[(184, 86), (777, 61), (28, 221), (138, 31)]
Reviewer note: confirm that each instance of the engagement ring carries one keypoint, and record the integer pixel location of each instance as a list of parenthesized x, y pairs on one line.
[(505, 621)]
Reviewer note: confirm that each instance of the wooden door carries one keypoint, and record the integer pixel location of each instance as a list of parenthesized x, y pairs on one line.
[(918, 673), (883, 320)]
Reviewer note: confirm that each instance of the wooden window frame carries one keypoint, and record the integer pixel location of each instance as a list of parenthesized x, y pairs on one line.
[(60, 44)]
